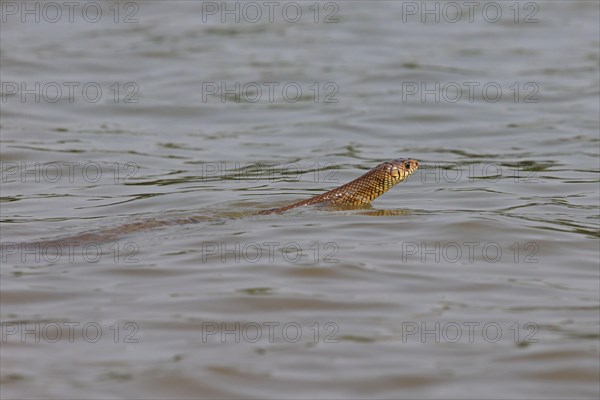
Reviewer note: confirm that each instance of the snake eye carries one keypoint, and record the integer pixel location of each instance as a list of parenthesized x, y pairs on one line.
[(407, 165)]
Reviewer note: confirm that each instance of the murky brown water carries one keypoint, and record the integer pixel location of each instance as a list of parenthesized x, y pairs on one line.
[(476, 278)]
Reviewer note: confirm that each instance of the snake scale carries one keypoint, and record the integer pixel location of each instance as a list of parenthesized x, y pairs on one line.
[(359, 192)]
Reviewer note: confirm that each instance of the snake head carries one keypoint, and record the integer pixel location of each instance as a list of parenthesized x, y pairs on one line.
[(401, 168)]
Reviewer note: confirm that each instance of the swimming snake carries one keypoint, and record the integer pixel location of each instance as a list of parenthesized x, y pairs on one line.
[(357, 193)]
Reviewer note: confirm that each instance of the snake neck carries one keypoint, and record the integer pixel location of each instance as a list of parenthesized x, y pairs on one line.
[(361, 191)]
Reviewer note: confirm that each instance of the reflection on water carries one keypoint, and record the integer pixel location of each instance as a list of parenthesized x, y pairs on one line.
[(153, 276)]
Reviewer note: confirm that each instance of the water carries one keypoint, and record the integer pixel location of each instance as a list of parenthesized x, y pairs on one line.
[(475, 278)]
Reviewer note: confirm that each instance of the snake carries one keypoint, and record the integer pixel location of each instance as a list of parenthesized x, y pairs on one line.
[(357, 193), (362, 190)]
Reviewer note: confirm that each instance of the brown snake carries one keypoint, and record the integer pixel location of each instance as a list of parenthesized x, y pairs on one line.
[(363, 190), (359, 192)]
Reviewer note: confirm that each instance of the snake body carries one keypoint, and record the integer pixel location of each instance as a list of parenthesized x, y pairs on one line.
[(363, 190), (359, 192)]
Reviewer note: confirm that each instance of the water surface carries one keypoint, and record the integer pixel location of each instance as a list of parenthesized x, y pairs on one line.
[(475, 278)]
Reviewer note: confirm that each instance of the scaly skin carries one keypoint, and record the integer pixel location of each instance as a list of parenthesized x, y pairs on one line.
[(363, 190)]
